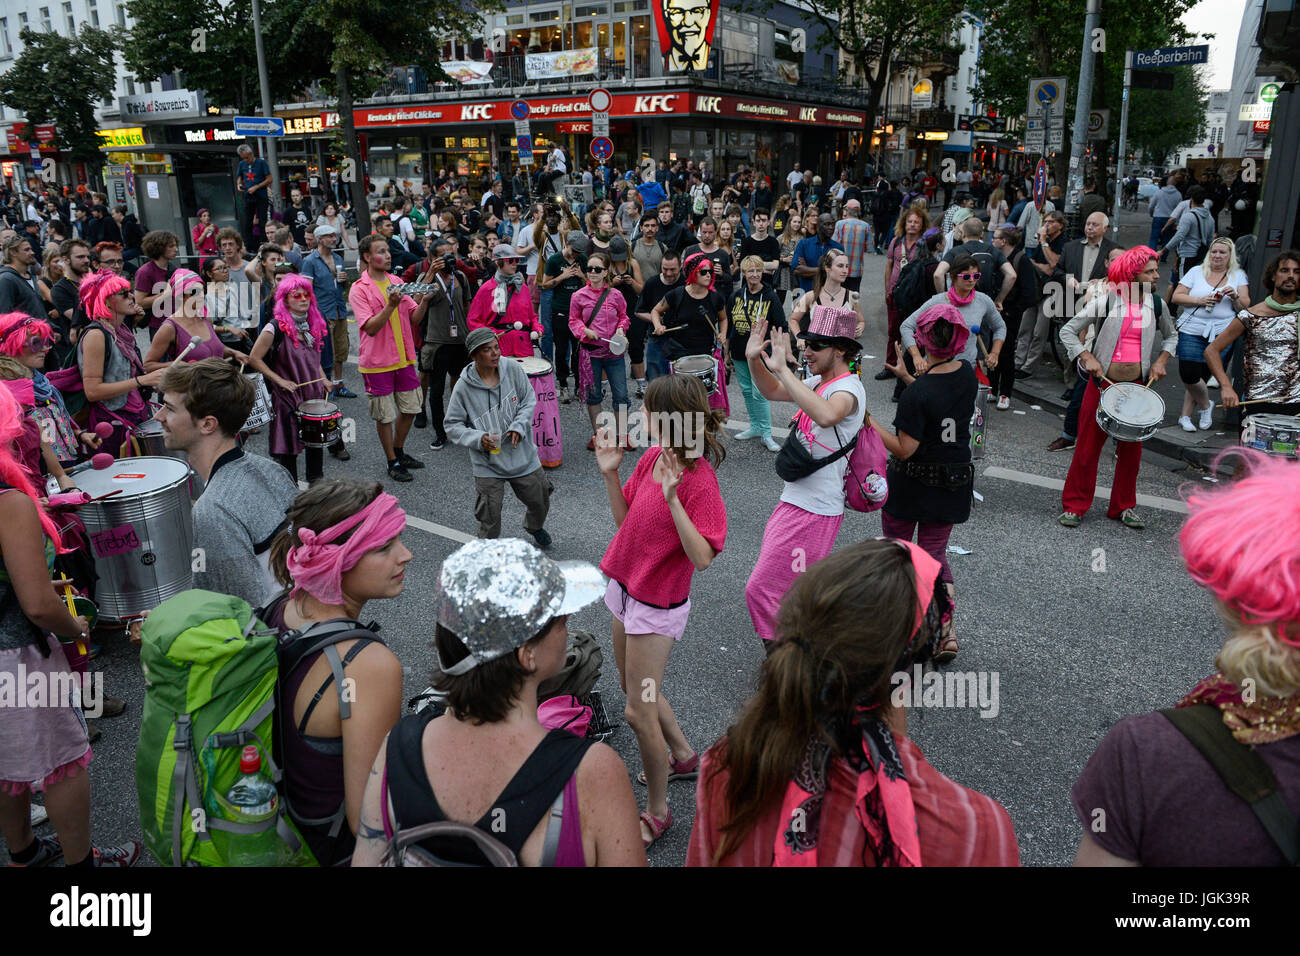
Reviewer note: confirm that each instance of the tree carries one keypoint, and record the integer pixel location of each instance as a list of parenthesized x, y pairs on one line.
[(362, 39), (1028, 38), (61, 80), (1161, 122), (876, 34)]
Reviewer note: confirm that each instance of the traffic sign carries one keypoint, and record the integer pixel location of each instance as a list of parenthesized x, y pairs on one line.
[(600, 124), (600, 100), (602, 148), (259, 126), (1034, 139), (1170, 56), (1098, 124), (1040, 182), (1047, 91), (519, 109), (524, 144)]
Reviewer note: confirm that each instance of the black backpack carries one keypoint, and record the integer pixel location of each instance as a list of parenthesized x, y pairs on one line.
[(913, 288)]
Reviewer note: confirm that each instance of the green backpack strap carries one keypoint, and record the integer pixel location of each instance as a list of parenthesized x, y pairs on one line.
[(1243, 770)]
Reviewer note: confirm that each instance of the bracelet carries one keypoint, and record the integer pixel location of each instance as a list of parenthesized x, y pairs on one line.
[(137, 381)]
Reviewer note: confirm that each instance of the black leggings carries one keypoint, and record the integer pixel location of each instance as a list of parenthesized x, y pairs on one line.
[(1193, 372), (566, 350), (315, 463), (450, 360), (1004, 376), (636, 334)]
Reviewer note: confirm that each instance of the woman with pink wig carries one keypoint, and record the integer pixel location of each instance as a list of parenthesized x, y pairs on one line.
[(288, 354), (43, 747), (1135, 340), (187, 321), (112, 373), (1158, 776)]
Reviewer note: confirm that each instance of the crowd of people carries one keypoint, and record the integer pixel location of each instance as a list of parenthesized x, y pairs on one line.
[(664, 294)]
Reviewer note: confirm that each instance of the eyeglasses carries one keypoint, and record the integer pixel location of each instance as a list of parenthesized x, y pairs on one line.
[(677, 14), (591, 269), (970, 276)]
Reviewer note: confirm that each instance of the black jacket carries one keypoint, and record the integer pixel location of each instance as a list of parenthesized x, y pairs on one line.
[(17, 295)]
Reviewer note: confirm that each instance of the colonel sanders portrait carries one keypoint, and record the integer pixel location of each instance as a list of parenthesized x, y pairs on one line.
[(689, 26)]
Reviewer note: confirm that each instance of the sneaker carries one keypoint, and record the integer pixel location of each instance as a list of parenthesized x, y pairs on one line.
[(437, 443), (397, 471), (342, 392), (39, 814), (1205, 421), (1212, 383), (118, 856), (640, 388), (409, 462), (340, 452), (1061, 444), (770, 443), (421, 420), (542, 537), (303, 485), (1186, 425), (747, 434), (50, 849), (566, 397), (1069, 519), (93, 732), (1131, 520), (884, 375), (112, 707), (1004, 402)]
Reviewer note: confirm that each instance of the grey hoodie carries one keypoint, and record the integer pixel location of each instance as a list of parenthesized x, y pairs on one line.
[(513, 400)]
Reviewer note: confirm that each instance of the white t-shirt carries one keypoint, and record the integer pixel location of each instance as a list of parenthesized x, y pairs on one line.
[(558, 159), (1199, 320), (822, 492), (793, 178)]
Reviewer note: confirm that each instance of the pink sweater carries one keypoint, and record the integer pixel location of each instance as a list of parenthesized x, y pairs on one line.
[(646, 555), (613, 317), (515, 342)]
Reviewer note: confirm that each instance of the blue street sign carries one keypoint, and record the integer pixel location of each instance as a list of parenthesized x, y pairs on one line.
[(519, 109), (259, 126), (1047, 94), (1170, 56), (602, 148), (524, 144), (1040, 182)]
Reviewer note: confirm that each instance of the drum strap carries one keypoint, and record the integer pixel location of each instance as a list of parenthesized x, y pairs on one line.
[(594, 313)]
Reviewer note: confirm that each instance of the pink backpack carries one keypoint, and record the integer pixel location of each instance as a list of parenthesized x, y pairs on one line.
[(565, 712)]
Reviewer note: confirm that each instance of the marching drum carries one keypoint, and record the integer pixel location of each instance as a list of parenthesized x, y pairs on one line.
[(978, 423), (1272, 434), (141, 538), (703, 367), (1130, 412), (318, 423), (546, 416), (261, 413)]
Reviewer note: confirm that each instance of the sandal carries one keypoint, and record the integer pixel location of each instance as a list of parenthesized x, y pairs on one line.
[(947, 651), (657, 827), (678, 769)]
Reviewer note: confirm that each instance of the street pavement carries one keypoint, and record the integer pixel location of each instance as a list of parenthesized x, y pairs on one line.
[(1080, 627)]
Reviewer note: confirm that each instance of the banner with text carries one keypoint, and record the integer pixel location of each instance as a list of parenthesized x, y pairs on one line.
[(556, 66)]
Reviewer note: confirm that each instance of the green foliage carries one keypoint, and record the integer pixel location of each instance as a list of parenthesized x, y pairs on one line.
[(1161, 122), (62, 80)]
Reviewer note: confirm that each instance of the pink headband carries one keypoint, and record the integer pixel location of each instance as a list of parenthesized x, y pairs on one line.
[(317, 565)]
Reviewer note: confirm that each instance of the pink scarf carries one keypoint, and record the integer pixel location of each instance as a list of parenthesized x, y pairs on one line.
[(317, 565), (958, 300)]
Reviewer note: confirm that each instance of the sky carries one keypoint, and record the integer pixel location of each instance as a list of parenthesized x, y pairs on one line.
[(1222, 18)]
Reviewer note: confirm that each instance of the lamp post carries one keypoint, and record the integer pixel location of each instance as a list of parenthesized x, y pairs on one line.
[(268, 141)]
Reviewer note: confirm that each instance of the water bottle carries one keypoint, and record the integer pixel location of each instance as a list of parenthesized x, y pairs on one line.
[(253, 799)]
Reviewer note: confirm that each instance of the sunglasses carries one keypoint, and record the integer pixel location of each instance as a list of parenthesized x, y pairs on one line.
[(297, 294), (815, 346), (591, 269), (970, 276), (704, 272)]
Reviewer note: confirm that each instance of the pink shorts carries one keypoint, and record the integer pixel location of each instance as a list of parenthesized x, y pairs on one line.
[(404, 379), (641, 618)]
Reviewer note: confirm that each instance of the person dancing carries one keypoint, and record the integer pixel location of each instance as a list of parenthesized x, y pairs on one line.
[(665, 534)]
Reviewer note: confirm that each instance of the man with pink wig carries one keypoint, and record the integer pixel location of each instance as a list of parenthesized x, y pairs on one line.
[(1135, 340)]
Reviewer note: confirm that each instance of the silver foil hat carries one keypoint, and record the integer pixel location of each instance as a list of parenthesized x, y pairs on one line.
[(495, 595)]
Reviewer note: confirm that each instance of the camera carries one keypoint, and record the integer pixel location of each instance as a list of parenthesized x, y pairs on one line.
[(449, 261)]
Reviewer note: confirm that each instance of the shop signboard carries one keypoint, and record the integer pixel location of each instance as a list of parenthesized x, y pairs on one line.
[(685, 29), (558, 66)]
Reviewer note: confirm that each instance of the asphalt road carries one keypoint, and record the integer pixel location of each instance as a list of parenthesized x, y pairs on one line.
[(1080, 626)]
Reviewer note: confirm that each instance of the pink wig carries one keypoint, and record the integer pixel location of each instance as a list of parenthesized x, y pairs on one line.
[(692, 266), (181, 282), (315, 321), (1128, 265), (11, 470), (1241, 541), (95, 290), (16, 328)]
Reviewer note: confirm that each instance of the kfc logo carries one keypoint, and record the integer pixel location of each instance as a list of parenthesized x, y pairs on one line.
[(708, 104), (481, 111), (808, 114), (659, 103), (685, 32)]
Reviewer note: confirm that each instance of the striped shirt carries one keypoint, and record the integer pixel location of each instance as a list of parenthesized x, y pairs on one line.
[(852, 235), (957, 826)]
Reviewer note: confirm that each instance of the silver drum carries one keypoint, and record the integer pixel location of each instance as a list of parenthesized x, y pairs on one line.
[(142, 539), (1129, 412)]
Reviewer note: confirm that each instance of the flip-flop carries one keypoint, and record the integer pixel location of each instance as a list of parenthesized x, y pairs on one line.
[(678, 769), (657, 827)]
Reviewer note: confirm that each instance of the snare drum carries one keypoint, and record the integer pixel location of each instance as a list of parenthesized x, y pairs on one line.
[(1272, 434), (318, 423), (261, 413), (1129, 412), (149, 439), (703, 367), (546, 416)]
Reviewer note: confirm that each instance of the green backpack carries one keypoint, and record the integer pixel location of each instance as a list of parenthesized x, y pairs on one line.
[(210, 673)]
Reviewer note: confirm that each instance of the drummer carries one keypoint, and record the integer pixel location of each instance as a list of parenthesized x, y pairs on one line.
[(597, 314), (187, 321), (1135, 340), (112, 372), (694, 312), (287, 353), (503, 305)]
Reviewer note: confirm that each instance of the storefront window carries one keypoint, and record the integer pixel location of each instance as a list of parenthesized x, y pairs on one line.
[(641, 47), (581, 36)]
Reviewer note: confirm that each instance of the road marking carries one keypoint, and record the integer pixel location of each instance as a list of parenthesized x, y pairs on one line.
[(1040, 481), (451, 534)]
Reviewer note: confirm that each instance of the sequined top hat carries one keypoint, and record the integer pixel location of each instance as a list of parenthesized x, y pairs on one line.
[(834, 326), (496, 595)]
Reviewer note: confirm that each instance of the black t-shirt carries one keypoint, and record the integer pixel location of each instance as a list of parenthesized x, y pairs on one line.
[(497, 204), (65, 296), (933, 408), (748, 308), (696, 314), (562, 293), (299, 220), (990, 260), (653, 292), (766, 249), (721, 260)]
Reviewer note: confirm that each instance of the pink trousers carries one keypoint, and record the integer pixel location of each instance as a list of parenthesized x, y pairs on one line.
[(793, 541)]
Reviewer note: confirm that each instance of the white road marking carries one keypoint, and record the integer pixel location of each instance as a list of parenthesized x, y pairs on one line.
[(451, 534), (1103, 491)]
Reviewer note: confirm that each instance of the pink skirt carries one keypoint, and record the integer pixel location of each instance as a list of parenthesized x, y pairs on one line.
[(638, 618), (42, 739), (793, 541)]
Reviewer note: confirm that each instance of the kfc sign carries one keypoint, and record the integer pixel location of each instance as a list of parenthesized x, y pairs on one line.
[(581, 128), (685, 30), (662, 103)]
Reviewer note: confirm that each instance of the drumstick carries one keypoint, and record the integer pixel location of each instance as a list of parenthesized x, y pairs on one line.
[(323, 378), (675, 328), (194, 341), (72, 609), (1254, 401)]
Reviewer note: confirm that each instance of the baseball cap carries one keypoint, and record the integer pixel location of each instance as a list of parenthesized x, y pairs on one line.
[(496, 594), (618, 249), (325, 229), (577, 242)]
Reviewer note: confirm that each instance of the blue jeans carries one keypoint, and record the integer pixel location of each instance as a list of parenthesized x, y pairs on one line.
[(547, 343), (615, 370), (1070, 430), (1157, 227), (655, 363)]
